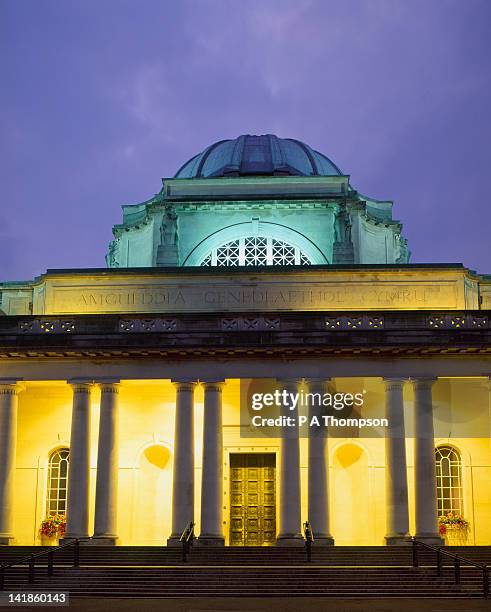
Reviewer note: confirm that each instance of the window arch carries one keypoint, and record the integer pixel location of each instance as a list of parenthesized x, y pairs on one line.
[(449, 480), (256, 251), (57, 481)]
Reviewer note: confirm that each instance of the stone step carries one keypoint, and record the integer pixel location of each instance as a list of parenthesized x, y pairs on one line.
[(266, 555), (237, 572)]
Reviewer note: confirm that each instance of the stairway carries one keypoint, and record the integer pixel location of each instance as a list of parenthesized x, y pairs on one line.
[(342, 572)]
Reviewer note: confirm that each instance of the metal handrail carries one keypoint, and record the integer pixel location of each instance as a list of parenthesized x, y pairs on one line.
[(308, 536), (187, 538), (457, 560), (30, 560)]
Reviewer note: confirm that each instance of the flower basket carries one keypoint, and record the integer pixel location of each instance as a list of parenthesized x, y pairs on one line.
[(47, 541), (454, 528), (52, 529)]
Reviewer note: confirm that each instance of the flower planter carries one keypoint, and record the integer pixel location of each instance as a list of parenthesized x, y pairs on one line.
[(52, 529), (456, 536), (454, 528)]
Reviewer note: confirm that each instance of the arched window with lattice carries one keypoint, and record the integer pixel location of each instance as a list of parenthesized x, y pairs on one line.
[(256, 251), (449, 480), (57, 482)]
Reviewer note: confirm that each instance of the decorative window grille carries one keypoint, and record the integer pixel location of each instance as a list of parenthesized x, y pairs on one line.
[(449, 480), (57, 482), (256, 251)]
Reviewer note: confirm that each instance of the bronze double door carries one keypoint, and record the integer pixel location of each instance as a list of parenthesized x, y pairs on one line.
[(252, 499)]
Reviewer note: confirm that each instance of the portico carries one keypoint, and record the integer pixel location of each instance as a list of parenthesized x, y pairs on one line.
[(121, 405), (202, 444)]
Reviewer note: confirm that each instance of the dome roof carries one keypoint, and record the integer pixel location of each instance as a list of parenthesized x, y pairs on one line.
[(258, 155)]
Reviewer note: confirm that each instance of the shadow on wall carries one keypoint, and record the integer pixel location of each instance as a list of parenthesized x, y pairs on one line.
[(152, 519), (350, 490)]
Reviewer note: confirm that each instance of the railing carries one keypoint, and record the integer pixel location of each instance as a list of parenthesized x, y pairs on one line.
[(457, 561), (187, 539), (30, 560), (308, 536)]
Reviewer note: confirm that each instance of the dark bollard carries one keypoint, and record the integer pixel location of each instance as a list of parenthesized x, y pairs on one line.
[(309, 538), (76, 554), (187, 538), (456, 566), (415, 554), (50, 562), (31, 570)]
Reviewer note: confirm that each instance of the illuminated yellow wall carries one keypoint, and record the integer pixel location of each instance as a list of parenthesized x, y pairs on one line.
[(357, 466)]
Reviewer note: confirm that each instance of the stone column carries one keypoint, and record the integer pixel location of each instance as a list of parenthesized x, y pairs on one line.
[(212, 476), (79, 467), (395, 465), (424, 463), (106, 492), (318, 496), (290, 510), (8, 442), (183, 474)]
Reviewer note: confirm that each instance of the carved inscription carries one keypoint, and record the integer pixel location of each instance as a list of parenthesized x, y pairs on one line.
[(265, 296)]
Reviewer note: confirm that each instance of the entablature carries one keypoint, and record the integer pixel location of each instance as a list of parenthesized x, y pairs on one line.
[(245, 334)]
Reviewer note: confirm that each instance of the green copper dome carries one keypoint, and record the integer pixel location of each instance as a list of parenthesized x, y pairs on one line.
[(258, 155)]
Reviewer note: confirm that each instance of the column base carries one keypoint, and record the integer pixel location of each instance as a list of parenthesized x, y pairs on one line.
[(103, 540), (84, 539), (6, 540), (290, 540), (209, 540), (174, 540), (321, 540), (398, 540), (433, 539)]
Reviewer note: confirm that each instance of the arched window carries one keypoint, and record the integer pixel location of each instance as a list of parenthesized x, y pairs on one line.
[(57, 482), (256, 251), (449, 480)]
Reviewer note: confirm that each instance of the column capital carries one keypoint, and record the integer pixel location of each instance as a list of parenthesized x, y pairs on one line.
[(184, 384), (318, 384), (289, 381), (213, 385), (80, 386), (10, 386), (423, 382), (394, 382), (109, 387)]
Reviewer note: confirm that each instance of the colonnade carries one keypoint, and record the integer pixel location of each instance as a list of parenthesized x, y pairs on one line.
[(424, 463), (105, 521)]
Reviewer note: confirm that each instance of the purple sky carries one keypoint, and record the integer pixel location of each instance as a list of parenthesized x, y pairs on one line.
[(99, 99)]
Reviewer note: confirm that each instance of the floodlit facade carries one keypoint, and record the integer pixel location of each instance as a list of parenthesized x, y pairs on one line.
[(123, 391)]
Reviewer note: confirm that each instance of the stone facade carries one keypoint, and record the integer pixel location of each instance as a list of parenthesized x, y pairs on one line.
[(257, 261)]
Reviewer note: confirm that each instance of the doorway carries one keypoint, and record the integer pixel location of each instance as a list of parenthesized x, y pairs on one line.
[(252, 499)]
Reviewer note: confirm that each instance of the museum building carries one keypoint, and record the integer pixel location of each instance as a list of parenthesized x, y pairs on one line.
[(121, 387)]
